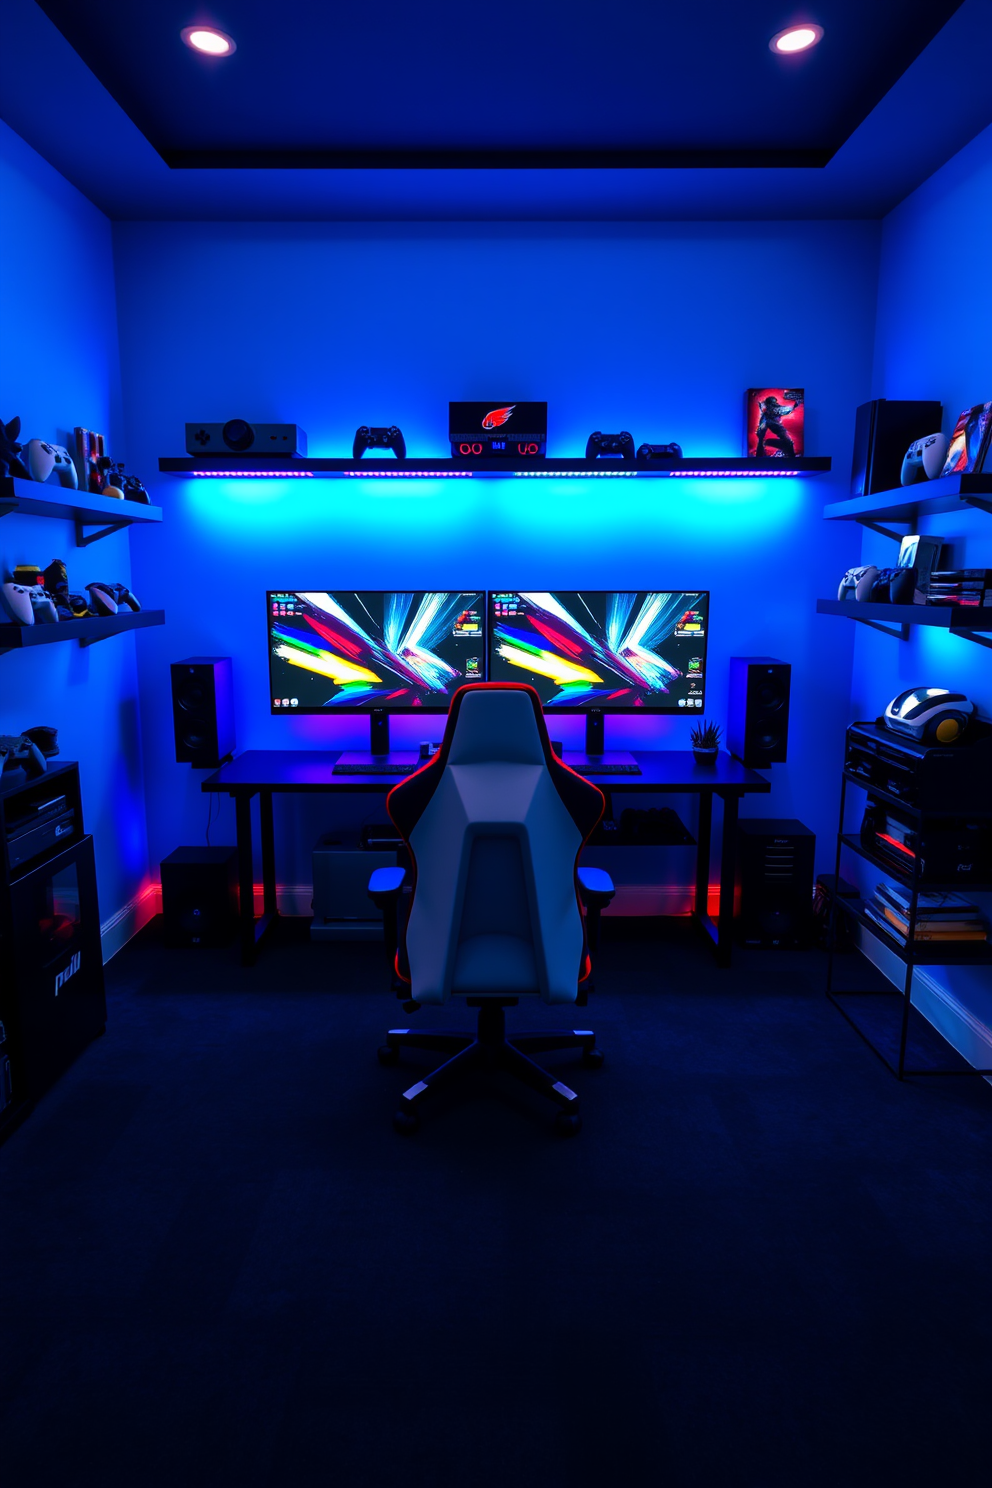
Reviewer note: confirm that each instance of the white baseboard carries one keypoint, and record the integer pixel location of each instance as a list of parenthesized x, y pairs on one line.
[(118, 930), (946, 1013)]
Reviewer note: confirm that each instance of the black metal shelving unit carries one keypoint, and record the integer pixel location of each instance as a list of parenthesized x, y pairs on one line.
[(87, 632), (256, 467), (911, 952), (105, 513)]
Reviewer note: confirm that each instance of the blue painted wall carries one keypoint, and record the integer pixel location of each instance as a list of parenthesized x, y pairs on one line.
[(658, 329), (934, 338), (59, 366)]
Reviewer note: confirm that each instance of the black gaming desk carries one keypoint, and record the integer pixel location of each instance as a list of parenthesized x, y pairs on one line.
[(266, 772)]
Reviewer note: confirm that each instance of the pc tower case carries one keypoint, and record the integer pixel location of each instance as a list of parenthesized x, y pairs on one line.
[(883, 431), (200, 895), (775, 881), (342, 909)]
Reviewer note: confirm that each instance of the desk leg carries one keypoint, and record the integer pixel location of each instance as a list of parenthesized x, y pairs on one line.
[(728, 869), (269, 908), (703, 830), (246, 878)]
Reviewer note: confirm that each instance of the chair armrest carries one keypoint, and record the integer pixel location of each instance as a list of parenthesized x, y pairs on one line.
[(385, 885), (595, 887)]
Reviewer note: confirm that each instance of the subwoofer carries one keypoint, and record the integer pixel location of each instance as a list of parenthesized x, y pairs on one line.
[(200, 895), (203, 710), (758, 720), (775, 879)]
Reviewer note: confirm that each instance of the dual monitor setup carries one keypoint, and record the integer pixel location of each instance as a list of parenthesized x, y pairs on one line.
[(589, 652)]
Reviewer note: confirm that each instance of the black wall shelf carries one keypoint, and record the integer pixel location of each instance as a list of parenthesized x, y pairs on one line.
[(246, 467), (87, 632), (33, 499), (949, 493), (960, 620)]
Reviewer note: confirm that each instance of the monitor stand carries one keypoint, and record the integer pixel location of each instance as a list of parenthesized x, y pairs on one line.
[(595, 750), (380, 752)]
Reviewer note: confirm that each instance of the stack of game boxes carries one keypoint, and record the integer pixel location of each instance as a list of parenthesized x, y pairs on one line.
[(939, 917), (960, 586)]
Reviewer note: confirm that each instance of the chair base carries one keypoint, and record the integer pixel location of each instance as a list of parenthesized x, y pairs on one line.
[(489, 1048)]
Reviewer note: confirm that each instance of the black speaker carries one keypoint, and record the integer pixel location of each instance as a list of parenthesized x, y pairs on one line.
[(758, 721), (200, 895), (883, 431), (203, 710), (775, 876)]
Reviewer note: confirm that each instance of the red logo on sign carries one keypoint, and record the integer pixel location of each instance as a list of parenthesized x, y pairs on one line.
[(498, 417)]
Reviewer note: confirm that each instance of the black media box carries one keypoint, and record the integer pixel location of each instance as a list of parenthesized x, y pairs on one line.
[(498, 431), (200, 895), (883, 431)]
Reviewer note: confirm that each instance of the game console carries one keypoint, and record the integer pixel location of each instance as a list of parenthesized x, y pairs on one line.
[(498, 431), (667, 452), (367, 438), (949, 780), (857, 582), (240, 437), (929, 715), (49, 463), (620, 446), (924, 460)]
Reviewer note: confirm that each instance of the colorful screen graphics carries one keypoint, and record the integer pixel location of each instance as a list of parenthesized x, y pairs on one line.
[(353, 650), (622, 652)]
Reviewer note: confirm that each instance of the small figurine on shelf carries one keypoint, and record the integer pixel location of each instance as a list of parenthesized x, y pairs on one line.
[(10, 451), (705, 743)]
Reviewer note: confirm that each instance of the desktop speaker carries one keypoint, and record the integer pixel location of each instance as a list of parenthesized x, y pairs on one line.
[(883, 431), (758, 718), (775, 880), (200, 895), (203, 710)]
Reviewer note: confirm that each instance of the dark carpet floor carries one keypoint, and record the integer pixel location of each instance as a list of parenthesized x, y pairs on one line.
[(763, 1263)]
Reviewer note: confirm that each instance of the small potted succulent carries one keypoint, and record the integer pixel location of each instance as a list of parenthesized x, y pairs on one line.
[(705, 743)]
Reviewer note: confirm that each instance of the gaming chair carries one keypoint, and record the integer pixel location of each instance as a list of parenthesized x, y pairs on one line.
[(492, 909)]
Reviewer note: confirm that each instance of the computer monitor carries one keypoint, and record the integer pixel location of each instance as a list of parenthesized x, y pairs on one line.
[(635, 651), (351, 651)]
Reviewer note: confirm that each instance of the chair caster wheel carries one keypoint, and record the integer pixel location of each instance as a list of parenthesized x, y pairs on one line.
[(567, 1123), (410, 1006), (405, 1122), (386, 1054), (593, 1058)]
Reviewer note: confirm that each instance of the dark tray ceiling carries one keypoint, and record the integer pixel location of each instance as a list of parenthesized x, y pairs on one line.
[(525, 82)]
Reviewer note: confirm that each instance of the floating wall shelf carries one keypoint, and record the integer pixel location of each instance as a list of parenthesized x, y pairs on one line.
[(32, 499), (249, 468), (958, 619), (949, 493), (87, 632)]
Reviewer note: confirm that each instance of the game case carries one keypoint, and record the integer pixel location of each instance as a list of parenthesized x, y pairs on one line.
[(774, 423), (966, 451)]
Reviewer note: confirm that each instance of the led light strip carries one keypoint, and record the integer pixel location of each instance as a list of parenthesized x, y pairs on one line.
[(254, 474), (414, 474), (729, 474), (568, 474)]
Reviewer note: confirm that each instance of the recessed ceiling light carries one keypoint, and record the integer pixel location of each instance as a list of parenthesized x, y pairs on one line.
[(796, 38), (209, 40)]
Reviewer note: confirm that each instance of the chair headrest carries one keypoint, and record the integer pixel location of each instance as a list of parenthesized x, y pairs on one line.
[(496, 727)]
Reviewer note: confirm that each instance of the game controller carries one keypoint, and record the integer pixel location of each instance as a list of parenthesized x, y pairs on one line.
[(894, 586), (659, 451), (924, 460), (369, 438), (599, 445), (18, 751), (15, 600), (44, 460), (857, 582)]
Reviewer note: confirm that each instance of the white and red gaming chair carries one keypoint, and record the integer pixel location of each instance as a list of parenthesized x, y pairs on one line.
[(494, 824)]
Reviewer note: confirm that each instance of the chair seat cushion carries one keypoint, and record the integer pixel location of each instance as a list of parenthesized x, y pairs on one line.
[(495, 963)]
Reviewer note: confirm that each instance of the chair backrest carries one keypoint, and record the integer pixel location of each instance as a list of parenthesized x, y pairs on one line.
[(495, 823)]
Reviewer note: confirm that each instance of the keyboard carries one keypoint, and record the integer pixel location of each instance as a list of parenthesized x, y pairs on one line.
[(376, 769), (609, 769)]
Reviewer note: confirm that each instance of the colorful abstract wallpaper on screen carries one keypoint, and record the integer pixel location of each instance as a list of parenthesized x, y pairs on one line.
[(369, 649), (621, 651)]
